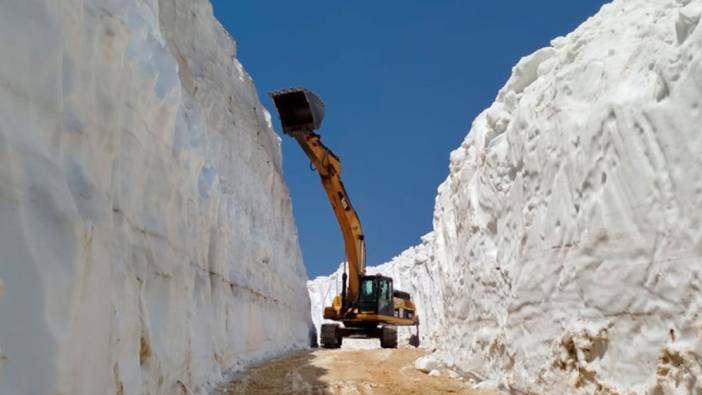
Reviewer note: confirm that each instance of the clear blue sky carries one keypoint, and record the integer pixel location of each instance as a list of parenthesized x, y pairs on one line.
[(402, 82)]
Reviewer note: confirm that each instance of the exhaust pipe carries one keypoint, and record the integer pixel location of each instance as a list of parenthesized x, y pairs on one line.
[(300, 110)]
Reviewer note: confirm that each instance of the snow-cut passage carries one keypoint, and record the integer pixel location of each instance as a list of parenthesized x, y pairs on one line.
[(147, 243), (566, 254)]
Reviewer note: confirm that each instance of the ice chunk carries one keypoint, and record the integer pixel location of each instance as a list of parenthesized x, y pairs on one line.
[(526, 72), (427, 364), (688, 19)]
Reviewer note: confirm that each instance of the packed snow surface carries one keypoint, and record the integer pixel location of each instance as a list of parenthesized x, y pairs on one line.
[(567, 241), (147, 243)]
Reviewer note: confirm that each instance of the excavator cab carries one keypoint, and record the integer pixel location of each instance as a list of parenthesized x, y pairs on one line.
[(375, 296)]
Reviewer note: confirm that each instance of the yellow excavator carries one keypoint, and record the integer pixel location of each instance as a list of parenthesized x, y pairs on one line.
[(369, 306)]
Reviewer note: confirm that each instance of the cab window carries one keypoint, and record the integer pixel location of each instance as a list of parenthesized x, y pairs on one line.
[(384, 290), (367, 287)]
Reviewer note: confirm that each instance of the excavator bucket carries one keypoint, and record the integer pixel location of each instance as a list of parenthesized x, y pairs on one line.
[(299, 109)]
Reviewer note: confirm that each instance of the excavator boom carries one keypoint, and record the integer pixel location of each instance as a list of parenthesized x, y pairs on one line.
[(301, 113)]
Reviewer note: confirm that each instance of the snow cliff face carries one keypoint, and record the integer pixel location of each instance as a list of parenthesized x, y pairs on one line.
[(147, 243), (567, 238)]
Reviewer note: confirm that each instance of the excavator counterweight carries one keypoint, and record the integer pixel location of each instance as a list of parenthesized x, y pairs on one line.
[(368, 306)]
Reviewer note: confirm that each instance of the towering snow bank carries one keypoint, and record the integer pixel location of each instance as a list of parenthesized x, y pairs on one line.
[(567, 238), (146, 237), (570, 221)]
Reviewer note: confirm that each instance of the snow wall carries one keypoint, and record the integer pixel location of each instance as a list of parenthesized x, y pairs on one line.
[(147, 243), (567, 241)]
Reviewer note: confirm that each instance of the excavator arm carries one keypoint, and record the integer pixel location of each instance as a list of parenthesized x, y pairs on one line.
[(329, 168), (301, 113)]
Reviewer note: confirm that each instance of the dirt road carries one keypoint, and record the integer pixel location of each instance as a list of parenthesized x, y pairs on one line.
[(343, 371)]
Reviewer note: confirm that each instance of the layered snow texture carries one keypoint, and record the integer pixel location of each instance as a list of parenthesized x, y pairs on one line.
[(567, 242), (147, 243)]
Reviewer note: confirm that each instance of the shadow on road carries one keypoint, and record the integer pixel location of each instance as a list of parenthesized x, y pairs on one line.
[(294, 374)]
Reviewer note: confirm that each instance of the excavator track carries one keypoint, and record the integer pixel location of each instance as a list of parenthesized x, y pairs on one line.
[(330, 337), (388, 336)]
